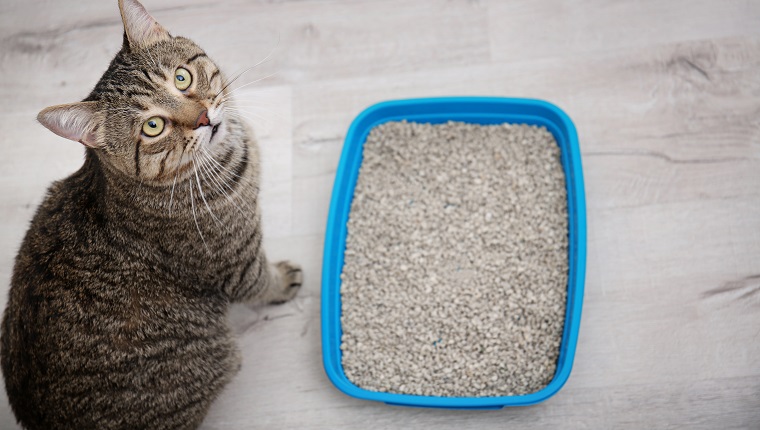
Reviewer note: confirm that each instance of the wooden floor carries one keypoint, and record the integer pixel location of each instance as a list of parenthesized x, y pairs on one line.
[(666, 99)]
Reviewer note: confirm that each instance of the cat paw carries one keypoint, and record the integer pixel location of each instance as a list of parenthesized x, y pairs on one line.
[(289, 278)]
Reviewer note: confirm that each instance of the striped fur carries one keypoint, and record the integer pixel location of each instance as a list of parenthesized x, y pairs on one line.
[(116, 317)]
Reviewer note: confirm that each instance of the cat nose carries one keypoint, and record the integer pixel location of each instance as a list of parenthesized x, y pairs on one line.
[(202, 119)]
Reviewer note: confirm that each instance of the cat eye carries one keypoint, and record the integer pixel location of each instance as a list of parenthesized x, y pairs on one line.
[(182, 79), (153, 126)]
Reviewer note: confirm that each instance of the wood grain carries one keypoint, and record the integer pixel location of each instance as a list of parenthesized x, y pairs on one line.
[(666, 99)]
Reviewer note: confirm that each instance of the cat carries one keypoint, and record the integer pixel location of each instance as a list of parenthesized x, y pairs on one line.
[(117, 312)]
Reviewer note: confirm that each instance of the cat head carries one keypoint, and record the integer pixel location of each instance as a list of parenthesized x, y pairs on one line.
[(160, 103)]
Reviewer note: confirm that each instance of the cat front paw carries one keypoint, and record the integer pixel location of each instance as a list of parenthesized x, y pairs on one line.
[(289, 278)]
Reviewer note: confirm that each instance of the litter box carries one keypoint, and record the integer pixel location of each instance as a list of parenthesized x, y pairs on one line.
[(477, 110)]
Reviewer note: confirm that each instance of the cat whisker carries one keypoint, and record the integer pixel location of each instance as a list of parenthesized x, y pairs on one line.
[(234, 106), (259, 122), (237, 103), (203, 197), (232, 91), (241, 205), (223, 181), (231, 81), (211, 157), (227, 82), (195, 218), (222, 93), (248, 111), (210, 174), (248, 115), (238, 71), (176, 174), (266, 59), (218, 170)]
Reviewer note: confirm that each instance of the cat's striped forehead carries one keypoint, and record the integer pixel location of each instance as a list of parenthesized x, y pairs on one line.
[(137, 77)]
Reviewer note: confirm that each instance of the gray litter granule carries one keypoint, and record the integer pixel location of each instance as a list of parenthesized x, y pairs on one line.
[(455, 273)]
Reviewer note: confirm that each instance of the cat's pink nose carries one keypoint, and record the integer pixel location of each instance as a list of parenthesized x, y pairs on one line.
[(202, 119)]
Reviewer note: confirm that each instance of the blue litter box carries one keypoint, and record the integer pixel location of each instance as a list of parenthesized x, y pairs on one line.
[(478, 110)]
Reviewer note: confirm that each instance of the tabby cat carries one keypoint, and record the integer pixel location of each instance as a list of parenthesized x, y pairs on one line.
[(117, 313)]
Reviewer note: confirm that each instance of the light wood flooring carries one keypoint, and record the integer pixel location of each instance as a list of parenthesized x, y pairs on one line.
[(666, 99)]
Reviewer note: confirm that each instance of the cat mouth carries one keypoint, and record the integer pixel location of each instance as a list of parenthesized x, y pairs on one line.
[(214, 131)]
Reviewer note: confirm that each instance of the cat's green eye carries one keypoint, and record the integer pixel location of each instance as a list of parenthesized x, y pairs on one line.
[(182, 79), (153, 126)]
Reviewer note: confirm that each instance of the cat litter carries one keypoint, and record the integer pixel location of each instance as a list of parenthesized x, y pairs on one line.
[(455, 271), (453, 268)]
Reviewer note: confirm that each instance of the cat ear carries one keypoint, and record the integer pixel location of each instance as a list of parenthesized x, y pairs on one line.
[(75, 121), (141, 29)]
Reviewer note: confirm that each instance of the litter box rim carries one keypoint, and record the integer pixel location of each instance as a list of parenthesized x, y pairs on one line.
[(477, 110)]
